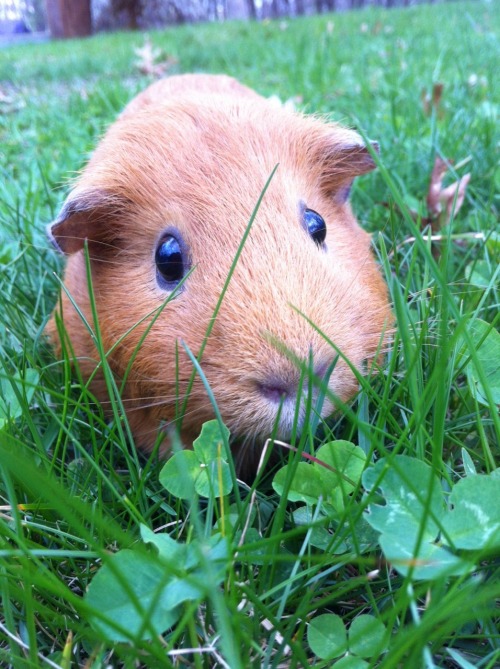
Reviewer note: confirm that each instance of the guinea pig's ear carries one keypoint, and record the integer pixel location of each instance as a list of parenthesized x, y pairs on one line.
[(342, 159), (86, 215)]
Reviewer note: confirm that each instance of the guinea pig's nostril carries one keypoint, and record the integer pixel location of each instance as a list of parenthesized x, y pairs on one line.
[(278, 388), (274, 391), (320, 370), (324, 367)]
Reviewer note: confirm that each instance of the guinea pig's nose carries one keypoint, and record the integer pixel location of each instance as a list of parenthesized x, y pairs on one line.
[(276, 390), (280, 387)]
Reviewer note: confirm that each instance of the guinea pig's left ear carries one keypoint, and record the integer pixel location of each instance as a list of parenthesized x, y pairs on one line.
[(86, 215), (342, 159)]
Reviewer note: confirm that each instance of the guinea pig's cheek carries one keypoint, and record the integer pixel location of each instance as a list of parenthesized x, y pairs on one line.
[(342, 383)]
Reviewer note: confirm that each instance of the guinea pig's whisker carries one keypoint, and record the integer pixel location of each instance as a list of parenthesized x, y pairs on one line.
[(246, 454), (142, 403)]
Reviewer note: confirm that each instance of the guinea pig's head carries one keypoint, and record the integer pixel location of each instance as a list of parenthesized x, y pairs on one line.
[(164, 203)]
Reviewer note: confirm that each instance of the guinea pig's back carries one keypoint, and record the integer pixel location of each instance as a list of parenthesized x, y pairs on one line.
[(187, 84)]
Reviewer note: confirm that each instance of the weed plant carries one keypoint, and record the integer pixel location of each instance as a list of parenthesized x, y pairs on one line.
[(276, 574)]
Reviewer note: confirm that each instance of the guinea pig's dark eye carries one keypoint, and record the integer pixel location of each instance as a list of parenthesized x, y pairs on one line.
[(169, 259), (315, 225)]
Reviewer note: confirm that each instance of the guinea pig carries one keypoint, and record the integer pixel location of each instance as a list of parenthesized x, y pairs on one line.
[(162, 207)]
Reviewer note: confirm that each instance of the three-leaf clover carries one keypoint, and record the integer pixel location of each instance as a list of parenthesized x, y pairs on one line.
[(204, 471)]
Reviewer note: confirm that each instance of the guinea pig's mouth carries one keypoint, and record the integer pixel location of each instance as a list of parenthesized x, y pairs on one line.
[(279, 411)]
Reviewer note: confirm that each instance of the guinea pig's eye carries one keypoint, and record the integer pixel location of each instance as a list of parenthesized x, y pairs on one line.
[(315, 226), (169, 259)]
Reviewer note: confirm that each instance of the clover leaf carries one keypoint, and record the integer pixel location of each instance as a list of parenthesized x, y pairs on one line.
[(138, 595), (328, 638), (333, 475), (419, 533), (204, 470), (486, 341)]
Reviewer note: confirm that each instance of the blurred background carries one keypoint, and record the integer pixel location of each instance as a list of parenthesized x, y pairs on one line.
[(78, 18)]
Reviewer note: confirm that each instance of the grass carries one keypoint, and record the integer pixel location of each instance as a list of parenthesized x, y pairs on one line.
[(73, 492)]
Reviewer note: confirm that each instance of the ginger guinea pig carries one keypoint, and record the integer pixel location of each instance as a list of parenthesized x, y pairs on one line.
[(163, 204)]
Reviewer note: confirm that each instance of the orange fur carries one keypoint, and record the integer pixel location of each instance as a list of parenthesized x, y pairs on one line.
[(194, 152)]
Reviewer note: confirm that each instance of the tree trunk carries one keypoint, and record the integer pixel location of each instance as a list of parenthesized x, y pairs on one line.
[(274, 10), (252, 10), (69, 18), (133, 17)]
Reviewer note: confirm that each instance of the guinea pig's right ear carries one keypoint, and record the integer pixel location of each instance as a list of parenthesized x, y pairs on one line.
[(343, 157), (86, 215)]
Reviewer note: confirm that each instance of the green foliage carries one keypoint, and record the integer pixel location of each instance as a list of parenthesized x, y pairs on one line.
[(104, 558), (333, 476), (327, 636), (420, 536), (366, 636), (473, 522), (16, 394), (203, 471), (483, 366), (137, 595), (329, 639), (330, 481)]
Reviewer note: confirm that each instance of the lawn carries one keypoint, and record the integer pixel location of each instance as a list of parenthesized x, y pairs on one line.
[(387, 558)]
